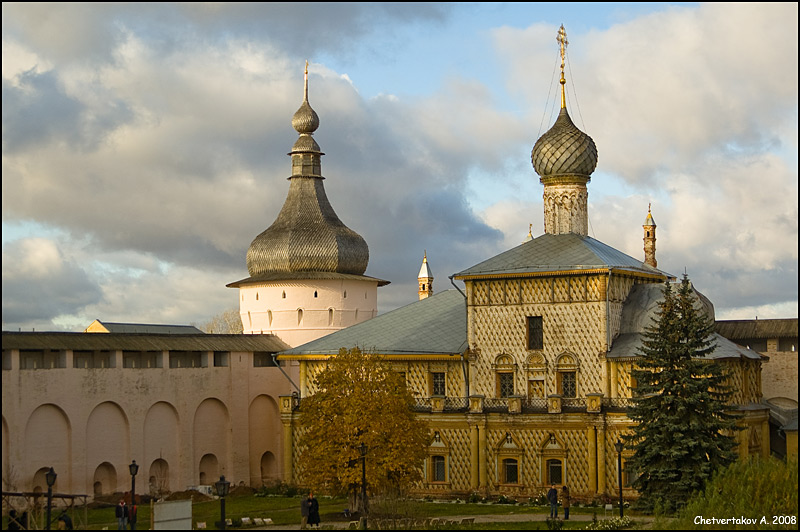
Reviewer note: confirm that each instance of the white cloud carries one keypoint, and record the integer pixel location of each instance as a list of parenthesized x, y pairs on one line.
[(156, 136)]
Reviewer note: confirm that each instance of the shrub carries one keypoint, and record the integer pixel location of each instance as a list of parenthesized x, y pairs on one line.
[(749, 488)]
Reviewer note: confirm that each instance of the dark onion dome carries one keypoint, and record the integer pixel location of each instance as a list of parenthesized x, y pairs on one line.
[(307, 236), (305, 120), (564, 150)]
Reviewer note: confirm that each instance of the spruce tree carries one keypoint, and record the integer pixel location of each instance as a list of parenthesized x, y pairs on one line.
[(683, 432)]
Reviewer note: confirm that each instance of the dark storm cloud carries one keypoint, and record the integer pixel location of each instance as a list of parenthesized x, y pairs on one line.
[(160, 132), (39, 283), (37, 110), (72, 32)]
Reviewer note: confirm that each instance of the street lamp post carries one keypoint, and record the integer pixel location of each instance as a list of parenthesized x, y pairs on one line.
[(619, 447), (50, 478), (222, 491), (133, 468), (363, 449)]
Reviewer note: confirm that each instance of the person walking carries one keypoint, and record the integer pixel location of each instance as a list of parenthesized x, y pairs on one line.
[(121, 512), (132, 511), (552, 496), (313, 511), (565, 501), (305, 504), (65, 521)]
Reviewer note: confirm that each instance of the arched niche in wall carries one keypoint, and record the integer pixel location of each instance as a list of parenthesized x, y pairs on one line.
[(162, 439), (47, 443), (211, 433), (158, 478), (269, 468), (107, 439), (263, 417), (208, 470), (104, 480)]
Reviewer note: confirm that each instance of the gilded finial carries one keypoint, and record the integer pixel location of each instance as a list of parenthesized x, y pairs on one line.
[(563, 42), (648, 208), (305, 83), (530, 230), (425, 256)]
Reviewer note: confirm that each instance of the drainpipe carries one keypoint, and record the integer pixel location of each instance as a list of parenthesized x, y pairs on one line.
[(275, 361), (463, 358), (608, 315)]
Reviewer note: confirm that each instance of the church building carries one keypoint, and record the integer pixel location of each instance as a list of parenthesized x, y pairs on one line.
[(524, 377)]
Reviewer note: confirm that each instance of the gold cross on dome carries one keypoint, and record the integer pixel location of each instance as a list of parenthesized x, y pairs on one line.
[(563, 42)]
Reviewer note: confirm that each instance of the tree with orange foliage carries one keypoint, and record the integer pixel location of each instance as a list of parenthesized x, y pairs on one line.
[(360, 401)]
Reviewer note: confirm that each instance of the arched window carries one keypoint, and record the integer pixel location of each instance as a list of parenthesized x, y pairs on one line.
[(438, 459), (283, 295), (554, 461), (504, 369), (300, 317), (315, 293), (330, 317), (509, 458), (567, 375)]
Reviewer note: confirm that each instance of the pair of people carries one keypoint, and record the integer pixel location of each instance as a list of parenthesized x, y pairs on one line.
[(125, 515), (309, 512), (552, 497)]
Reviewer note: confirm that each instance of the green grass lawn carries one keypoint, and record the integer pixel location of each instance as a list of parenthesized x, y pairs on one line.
[(286, 511)]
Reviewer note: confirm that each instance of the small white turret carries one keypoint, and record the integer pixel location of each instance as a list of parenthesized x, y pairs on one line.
[(425, 279)]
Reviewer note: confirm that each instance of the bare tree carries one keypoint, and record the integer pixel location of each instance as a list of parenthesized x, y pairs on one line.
[(226, 322)]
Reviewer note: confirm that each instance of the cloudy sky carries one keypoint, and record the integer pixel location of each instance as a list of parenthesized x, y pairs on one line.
[(144, 145)]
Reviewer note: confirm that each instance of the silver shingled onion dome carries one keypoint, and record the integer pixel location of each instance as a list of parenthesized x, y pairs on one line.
[(564, 150), (307, 236)]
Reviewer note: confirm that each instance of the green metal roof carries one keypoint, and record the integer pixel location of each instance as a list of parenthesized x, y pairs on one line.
[(640, 310), (628, 345), (558, 253), (436, 325)]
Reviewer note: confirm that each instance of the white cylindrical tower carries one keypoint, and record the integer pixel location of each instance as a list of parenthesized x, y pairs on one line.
[(306, 269)]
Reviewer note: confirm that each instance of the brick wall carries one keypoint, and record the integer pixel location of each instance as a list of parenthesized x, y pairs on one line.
[(779, 375)]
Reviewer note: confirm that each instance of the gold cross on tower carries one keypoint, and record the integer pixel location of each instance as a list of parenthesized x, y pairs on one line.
[(562, 42)]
